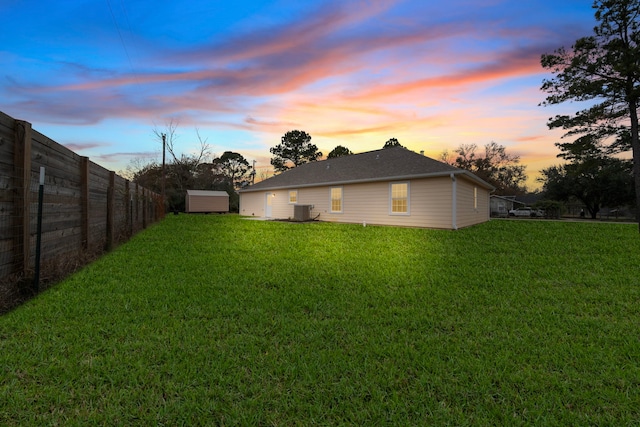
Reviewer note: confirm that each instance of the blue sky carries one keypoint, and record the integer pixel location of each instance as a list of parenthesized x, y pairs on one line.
[(99, 75)]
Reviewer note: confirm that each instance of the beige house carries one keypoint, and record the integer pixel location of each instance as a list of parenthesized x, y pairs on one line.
[(392, 186)]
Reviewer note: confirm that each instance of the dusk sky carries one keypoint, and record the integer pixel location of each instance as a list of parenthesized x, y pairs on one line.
[(99, 75)]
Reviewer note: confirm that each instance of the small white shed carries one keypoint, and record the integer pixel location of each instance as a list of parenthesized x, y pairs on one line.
[(206, 201)]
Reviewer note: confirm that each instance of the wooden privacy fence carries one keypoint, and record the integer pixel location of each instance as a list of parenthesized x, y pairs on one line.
[(86, 209)]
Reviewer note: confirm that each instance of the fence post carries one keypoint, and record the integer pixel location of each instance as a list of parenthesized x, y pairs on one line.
[(36, 279), (144, 208), (84, 200), (110, 209), (137, 200), (22, 174), (128, 207)]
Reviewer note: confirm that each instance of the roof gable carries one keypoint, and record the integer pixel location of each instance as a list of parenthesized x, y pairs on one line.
[(378, 165)]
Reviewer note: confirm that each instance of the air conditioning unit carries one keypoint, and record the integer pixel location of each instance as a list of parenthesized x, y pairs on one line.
[(302, 212)]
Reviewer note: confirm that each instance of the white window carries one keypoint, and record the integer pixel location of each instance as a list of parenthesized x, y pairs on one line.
[(336, 199), (293, 196), (399, 198)]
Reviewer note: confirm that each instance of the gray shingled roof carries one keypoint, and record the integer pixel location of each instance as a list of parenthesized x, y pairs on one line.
[(379, 165), (207, 193)]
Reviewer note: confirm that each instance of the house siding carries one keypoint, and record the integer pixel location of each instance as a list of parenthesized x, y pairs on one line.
[(438, 195), (281, 208), (466, 213), (253, 204), (430, 201)]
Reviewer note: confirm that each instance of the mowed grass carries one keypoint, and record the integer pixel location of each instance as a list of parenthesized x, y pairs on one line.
[(216, 320)]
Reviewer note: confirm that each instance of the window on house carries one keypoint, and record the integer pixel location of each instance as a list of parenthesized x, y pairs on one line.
[(400, 198), (293, 196), (475, 197), (336, 199)]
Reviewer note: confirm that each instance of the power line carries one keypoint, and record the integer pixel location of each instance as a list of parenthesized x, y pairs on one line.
[(124, 46), (126, 17)]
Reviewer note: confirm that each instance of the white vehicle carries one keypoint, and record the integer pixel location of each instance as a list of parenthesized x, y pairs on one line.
[(528, 212)]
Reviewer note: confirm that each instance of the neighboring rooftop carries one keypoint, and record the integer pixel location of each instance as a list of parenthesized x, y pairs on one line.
[(379, 165), (207, 193)]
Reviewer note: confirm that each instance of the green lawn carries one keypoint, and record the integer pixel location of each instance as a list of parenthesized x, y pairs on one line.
[(216, 320)]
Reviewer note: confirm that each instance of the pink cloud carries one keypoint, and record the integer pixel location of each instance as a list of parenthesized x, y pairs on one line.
[(269, 124), (79, 146), (508, 65), (530, 138), (298, 35), (354, 131), (117, 157)]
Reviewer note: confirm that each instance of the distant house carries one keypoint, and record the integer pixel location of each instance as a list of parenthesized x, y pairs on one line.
[(392, 186), (501, 205), (201, 201)]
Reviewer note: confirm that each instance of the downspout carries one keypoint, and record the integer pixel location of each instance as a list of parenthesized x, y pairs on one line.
[(454, 201)]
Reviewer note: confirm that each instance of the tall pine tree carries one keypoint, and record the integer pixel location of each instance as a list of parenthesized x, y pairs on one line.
[(604, 70)]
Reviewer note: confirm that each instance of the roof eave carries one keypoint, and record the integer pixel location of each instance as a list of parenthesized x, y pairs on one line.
[(386, 178), (478, 180)]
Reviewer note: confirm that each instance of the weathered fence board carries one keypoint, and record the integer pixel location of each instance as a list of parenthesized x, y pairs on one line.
[(6, 147), (6, 133)]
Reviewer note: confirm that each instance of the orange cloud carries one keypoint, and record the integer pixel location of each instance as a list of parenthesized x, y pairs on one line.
[(506, 66)]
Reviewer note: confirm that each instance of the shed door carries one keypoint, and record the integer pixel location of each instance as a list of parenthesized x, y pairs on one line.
[(268, 201)]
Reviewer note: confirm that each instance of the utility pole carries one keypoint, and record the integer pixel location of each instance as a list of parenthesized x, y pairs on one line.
[(164, 143)]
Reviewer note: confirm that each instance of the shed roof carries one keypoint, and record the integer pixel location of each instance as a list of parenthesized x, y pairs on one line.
[(380, 165), (207, 193)]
